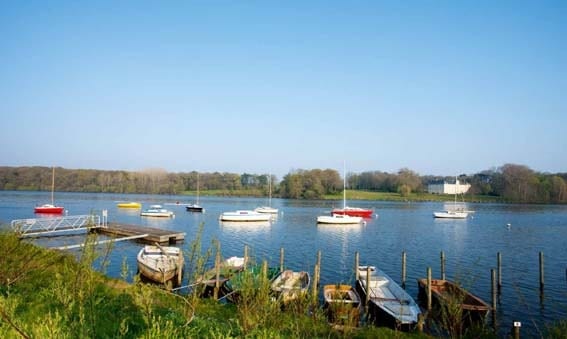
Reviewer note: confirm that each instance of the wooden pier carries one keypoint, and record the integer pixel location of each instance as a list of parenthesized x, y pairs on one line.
[(152, 234)]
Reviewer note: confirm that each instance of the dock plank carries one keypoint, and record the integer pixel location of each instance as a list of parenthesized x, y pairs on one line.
[(153, 234)]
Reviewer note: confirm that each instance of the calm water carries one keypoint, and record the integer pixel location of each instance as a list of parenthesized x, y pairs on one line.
[(470, 245)]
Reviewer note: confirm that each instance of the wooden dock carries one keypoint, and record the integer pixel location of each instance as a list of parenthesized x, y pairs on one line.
[(152, 234)]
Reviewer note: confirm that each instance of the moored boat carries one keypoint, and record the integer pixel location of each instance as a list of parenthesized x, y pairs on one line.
[(446, 293), (245, 215), (342, 304), (290, 285), (226, 269), (129, 204), (161, 264), (194, 208), (50, 208), (450, 215), (353, 212), (157, 211), (389, 304), (247, 282), (338, 219)]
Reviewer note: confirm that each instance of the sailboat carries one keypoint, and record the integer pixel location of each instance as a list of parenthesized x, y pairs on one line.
[(454, 213), (50, 208), (342, 216), (351, 211), (269, 208), (195, 207)]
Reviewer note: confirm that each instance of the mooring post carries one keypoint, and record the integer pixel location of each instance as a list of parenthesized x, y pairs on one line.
[(499, 263), (493, 288), (315, 283), (281, 259), (429, 288), (245, 256), (217, 274), (404, 270), (367, 299), (517, 326), (541, 282), (356, 263), (318, 266), (265, 270), (442, 265)]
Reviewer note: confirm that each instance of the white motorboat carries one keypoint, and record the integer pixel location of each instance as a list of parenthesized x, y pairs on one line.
[(338, 219), (245, 215), (451, 215), (157, 211)]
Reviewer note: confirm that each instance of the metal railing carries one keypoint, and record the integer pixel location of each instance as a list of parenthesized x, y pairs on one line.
[(46, 226)]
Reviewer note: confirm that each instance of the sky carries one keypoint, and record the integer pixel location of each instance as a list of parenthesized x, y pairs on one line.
[(439, 87)]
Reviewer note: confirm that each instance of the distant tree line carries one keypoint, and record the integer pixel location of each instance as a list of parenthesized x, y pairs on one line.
[(511, 182)]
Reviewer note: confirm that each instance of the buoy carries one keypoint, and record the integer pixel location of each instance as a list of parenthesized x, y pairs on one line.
[(508, 225)]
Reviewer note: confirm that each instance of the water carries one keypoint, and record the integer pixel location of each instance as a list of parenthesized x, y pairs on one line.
[(470, 245)]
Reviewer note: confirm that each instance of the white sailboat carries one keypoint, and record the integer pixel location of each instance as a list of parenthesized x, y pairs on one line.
[(454, 213), (195, 207), (268, 209), (340, 218)]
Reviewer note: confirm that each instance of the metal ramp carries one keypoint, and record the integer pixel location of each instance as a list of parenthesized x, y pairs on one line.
[(47, 226)]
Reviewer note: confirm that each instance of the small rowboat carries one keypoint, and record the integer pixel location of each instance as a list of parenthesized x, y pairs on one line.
[(161, 264), (446, 293), (342, 304), (290, 285)]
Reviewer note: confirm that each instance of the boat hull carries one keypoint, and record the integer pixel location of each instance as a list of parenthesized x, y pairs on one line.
[(342, 304), (245, 216), (194, 208), (290, 285), (450, 215), (48, 209), (157, 266), (129, 205), (353, 212), (338, 219), (446, 293)]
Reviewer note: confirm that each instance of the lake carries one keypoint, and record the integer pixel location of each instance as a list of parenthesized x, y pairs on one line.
[(470, 245)]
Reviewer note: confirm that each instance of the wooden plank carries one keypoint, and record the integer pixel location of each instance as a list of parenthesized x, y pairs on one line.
[(152, 234), (68, 247)]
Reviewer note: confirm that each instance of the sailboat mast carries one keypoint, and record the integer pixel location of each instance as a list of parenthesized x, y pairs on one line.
[(52, 184), (270, 190), (197, 188), (344, 185)]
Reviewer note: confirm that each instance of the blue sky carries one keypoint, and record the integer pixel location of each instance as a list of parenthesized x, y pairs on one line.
[(440, 87)]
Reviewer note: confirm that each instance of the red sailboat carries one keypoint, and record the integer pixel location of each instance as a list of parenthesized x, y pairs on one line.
[(50, 208), (351, 211)]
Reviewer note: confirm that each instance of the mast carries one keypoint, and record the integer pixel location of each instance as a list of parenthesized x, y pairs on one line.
[(197, 188), (52, 184), (344, 184), (270, 190)]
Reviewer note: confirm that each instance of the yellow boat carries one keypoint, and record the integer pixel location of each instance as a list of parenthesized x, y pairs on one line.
[(129, 205)]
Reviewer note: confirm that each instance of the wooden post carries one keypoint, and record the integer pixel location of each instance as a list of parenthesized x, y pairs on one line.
[(281, 259), (356, 263), (367, 299), (442, 265), (493, 288), (319, 258), (517, 326), (245, 256), (264, 270), (404, 270), (499, 262), (429, 288), (541, 282), (217, 274), (315, 283)]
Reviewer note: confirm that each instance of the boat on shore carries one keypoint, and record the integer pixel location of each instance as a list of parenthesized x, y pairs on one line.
[(50, 208), (157, 211), (245, 215), (290, 285), (247, 280), (389, 304), (342, 304), (338, 219), (226, 269), (161, 264), (129, 204), (446, 293)]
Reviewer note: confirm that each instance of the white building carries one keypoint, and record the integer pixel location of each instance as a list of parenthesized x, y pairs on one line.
[(443, 187)]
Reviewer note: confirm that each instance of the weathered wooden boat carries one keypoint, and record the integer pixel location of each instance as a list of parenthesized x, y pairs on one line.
[(161, 264), (342, 304), (289, 285), (446, 293), (389, 304)]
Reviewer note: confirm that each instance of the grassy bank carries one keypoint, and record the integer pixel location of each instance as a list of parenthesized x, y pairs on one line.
[(51, 294)]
